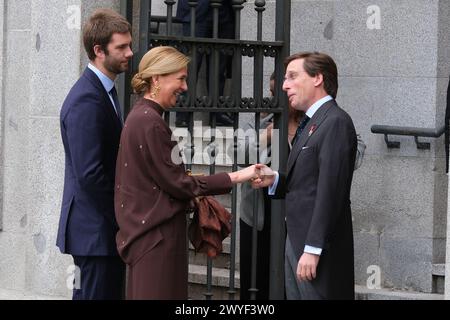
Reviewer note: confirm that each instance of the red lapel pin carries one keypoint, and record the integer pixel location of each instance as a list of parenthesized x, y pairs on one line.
[(312, 129)]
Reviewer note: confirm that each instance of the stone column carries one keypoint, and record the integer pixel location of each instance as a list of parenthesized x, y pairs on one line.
[(2, 118), (16, 103)]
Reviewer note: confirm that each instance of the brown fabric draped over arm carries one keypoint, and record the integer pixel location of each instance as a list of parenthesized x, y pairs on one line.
[(210, 225)]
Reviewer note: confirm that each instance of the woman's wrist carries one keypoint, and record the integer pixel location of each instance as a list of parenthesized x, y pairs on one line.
[(233, 177)]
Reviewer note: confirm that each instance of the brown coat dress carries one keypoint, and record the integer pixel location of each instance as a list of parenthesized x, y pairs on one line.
[(151, 200)]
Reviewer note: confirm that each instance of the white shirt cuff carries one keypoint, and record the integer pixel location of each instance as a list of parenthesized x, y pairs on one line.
[(273, 187), (313, 250)]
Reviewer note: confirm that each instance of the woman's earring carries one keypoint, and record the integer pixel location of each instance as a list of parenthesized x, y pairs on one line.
[(155, 91)]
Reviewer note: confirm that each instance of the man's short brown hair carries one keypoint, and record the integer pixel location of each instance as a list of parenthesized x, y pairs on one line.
[(100, 28), (316, 63)]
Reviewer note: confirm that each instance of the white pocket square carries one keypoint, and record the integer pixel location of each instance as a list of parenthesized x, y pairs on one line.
[(303, 148)]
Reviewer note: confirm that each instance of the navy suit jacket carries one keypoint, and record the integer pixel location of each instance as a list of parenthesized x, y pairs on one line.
[(90, 131)]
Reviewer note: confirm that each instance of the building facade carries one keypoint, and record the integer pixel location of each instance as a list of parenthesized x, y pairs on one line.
[(393, 59)]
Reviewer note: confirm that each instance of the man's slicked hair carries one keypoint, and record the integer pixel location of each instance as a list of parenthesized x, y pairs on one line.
[(316, 63)]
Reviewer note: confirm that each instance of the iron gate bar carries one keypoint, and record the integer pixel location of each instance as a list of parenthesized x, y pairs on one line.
[(258, 70), (169, 4), (124, 80), (192, 81), (237, 90), (144, 26), (214, 92), (278, 232)]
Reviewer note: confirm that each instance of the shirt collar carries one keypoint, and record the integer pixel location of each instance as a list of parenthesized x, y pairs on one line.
[(107, 83), (312, 110)]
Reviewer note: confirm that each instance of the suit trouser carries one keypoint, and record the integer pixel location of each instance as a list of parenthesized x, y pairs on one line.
[(295, 289), (101, 278)]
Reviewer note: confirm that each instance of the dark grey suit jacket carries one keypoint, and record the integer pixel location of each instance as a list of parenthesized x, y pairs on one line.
[(317, 192)]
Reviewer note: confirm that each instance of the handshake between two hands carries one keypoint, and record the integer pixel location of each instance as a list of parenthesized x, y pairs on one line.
[(259, 175)]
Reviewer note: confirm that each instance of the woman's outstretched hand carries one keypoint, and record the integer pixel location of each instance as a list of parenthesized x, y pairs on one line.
[(257, 174), (244, 175)]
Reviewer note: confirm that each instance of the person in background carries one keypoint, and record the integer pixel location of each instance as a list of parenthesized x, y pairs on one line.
[(153, 190), (204, 29), (249, 148), (91, 123)]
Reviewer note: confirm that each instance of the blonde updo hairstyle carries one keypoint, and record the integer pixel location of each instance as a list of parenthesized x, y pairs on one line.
[(158, 61)]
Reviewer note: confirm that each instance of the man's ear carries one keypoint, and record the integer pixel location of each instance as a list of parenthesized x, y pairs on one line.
[(318, 80), (99, 52)]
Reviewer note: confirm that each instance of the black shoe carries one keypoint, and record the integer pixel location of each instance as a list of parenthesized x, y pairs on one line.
[(181, 123)]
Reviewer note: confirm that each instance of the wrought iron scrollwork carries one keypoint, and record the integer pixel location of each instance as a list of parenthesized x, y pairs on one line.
[(227, 50), (267, 102), (183, 101), (226, 102), (248, 103), (204, 49), (270, 51), (181, 46), (248, 51), (203, 102)]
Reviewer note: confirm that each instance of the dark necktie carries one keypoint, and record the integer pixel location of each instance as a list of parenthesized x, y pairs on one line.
[(113, 93), (300, 128)]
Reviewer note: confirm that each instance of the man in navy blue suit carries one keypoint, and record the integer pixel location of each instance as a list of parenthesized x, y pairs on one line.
[(91, 123)]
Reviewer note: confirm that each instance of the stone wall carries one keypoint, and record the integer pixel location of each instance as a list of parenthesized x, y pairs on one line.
[(44, 58), (16, 96), (393, 76), (2, 118)]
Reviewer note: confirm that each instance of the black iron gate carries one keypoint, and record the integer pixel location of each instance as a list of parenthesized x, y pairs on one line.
[(233, 103)]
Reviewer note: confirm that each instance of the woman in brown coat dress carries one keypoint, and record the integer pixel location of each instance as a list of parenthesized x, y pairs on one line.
[(153, 191)]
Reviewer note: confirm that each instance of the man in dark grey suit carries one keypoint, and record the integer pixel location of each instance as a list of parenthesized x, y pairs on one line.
[(316, 185)]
